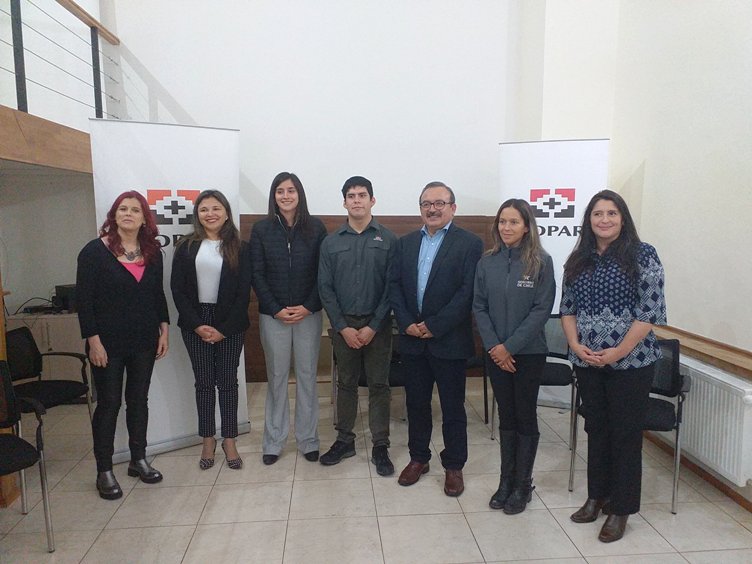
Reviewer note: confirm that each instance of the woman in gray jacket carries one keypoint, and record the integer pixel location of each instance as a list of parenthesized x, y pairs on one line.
[(514, 294)]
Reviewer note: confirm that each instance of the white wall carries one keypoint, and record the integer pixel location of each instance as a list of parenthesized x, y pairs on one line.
[(406, 92), (682, 140), (578, 69), (400, 92), (49, 45), (45, 219)]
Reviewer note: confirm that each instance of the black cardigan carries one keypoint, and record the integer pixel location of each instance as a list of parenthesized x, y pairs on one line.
[(124, 313), (286, 275), (231, 313)]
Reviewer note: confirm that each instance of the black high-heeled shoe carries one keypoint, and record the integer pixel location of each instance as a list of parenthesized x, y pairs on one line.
[(206, 463), (235, 463)]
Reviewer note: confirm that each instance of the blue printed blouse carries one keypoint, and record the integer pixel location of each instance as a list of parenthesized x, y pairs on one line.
[(606, 302)]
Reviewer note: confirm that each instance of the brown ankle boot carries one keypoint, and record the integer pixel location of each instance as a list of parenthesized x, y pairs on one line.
[(588, 512)]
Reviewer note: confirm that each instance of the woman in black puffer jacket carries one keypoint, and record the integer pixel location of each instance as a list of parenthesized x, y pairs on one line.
[(285, 257)]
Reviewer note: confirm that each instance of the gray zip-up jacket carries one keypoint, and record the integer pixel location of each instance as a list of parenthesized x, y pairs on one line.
[(509, 307)]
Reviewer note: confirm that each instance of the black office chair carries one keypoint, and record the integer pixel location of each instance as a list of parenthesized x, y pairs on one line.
[(473, 363), (25, 362), (18, 454), (558, 371), (663, 414)]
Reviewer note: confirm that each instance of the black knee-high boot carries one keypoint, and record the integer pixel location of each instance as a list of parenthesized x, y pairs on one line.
[(508, 450), (527, 447)]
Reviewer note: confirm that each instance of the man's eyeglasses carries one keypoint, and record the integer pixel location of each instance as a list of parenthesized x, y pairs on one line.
[(438, 204)]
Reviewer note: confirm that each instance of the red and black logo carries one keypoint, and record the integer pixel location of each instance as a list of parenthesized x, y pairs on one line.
[(172, 207), (556, 203)]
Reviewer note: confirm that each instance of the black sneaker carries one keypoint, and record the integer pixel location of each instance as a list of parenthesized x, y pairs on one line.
[(312, 456), (338, 451), (380, 457)]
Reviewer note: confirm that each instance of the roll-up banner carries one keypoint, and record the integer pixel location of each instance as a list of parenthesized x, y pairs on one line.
[(558, 179), (170, 165)]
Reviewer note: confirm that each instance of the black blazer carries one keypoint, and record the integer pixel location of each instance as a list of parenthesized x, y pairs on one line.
[(231, 314), (124, 313), (448, 298)]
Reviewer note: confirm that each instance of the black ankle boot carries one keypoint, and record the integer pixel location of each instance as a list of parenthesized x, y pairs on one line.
[(143, 470), (508, 450), (527, 447), (107, 485)]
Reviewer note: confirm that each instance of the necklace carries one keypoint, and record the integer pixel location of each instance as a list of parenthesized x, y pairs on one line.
[(132, 255)]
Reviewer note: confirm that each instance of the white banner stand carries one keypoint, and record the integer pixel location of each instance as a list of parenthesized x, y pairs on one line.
[(557, 178), (170, 165)]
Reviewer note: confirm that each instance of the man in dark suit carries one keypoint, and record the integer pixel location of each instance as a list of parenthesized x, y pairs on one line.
[(431, 292)]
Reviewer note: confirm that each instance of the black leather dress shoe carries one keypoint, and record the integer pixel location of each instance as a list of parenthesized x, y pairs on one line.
[(107, 486), (269, 459), (312, 456), (588, 512), (613, 528), (143, 470)]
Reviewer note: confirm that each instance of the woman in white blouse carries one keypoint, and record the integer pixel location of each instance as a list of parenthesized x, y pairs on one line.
[(211, 283)]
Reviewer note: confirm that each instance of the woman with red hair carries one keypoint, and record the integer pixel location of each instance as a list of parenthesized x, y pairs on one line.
[(123, 316)]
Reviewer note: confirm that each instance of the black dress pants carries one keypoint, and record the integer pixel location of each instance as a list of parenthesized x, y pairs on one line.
[(109, 384), (615, 403), (215, 367), (449, 375), (517, 392)]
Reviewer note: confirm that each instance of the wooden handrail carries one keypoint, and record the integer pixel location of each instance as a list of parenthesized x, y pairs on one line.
[(726, 357), (89, 20)]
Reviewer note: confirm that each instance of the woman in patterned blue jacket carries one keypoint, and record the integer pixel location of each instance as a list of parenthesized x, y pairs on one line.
[(612, 296)]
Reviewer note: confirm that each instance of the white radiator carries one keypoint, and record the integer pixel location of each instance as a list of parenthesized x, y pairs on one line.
[(717, 425)]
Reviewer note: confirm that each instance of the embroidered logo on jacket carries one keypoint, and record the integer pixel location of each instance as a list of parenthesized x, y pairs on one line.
[(526, 282)]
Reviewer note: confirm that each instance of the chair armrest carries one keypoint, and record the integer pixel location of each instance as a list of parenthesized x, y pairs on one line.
[(80, 356), (558, 355), (39, 410), (686, 383), (35, 405)]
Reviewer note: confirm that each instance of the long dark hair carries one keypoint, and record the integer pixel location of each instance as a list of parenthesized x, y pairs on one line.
[(623, 249), (531, 249), (147, 234), (229, 248), (301, 212)]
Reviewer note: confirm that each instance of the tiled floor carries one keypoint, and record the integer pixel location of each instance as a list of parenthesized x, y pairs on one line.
[(298, 511)]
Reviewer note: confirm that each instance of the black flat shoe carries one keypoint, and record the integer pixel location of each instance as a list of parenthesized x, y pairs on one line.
[(613, 528), (269, 459), (235, 463), (143, 470), (107, 486), (312, 456)]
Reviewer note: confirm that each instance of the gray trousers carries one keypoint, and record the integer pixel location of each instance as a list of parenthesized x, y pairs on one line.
[(280, 342), (375, 359)]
